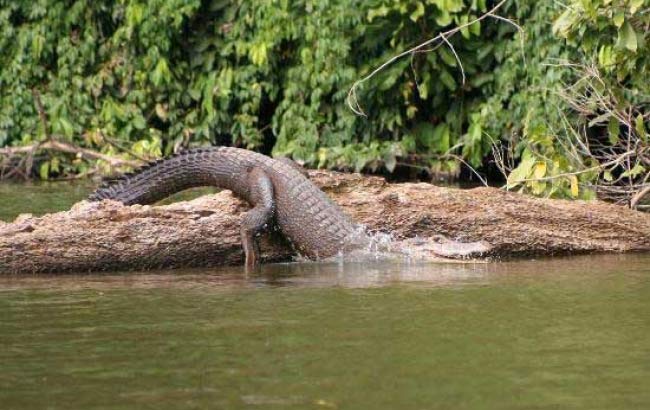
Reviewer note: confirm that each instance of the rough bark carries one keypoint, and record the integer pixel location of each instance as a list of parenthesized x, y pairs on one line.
[(205, 231)]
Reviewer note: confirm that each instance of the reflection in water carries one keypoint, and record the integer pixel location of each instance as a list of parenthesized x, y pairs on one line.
[(39, 198), (368, 274), (551, 333)]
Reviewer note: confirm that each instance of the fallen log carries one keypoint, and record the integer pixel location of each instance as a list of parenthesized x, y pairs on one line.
[(205, 231)]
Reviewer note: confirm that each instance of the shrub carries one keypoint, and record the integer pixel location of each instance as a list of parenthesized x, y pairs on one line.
[(145, 77)]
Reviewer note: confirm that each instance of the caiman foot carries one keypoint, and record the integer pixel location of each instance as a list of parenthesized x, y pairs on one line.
[(259, 218)]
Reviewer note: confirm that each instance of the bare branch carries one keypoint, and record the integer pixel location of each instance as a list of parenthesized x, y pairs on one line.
[(453, 50), (41, 113), (58, 146), (634, 202)]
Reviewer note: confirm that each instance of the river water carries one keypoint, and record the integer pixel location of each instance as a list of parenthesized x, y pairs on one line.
[(556, 333)]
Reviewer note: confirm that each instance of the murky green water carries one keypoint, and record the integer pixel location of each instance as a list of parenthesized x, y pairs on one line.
[(43, 197), (569, 333), (39, 198)]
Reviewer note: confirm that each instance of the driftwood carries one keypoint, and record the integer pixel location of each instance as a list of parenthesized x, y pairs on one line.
[(18, 162), (205, 231)]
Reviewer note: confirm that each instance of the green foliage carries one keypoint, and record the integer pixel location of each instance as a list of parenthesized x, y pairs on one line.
[(143, 77), (102, 68), (525, 109), (415, 106), (154, 74), (584, 69)]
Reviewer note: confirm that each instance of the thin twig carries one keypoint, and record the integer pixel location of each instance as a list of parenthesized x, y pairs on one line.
[(119, 146), (634, 202), (453, 50), (352, 99), (471, 168), (41, 113), (70, 149)]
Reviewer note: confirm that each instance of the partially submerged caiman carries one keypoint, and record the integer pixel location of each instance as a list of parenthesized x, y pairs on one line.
[(278, 190)]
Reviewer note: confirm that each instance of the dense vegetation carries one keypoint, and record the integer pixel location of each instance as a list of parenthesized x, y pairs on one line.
[(139, 79)]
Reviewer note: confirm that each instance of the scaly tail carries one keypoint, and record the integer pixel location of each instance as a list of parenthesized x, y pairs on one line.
[(159, 179)]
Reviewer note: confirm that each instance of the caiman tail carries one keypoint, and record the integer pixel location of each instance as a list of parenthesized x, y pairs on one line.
[(160, 179)]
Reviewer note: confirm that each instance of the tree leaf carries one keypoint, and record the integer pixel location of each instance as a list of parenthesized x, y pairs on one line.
[(540, 170), (448, 80), (66, 127), (563, 23), (613, 130), (37, 46), (627, 37), (538, 187), (619, 19), (635, 5), (390, 161), (464, 31), (381, 11), (417, 13), (161, 112), (636, 170), (640, 128), (139, 123), (441, 138), (522, 171), (600, 119), (447, 56), (425, 134), (44, 170), (475, 28), (160, 73), (443, 18), (54, 164)]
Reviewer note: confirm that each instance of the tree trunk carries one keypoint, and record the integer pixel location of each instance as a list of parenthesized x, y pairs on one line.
[(205, 231)]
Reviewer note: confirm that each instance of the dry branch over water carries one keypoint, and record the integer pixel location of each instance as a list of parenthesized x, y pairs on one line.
[(205, 231)]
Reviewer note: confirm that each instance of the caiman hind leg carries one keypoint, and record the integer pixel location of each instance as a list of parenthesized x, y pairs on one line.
[(258, 218)]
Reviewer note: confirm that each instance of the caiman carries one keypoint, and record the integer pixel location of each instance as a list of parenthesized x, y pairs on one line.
[(278, 190)]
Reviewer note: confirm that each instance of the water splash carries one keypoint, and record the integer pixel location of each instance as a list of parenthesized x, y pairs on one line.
[(365, 246)]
